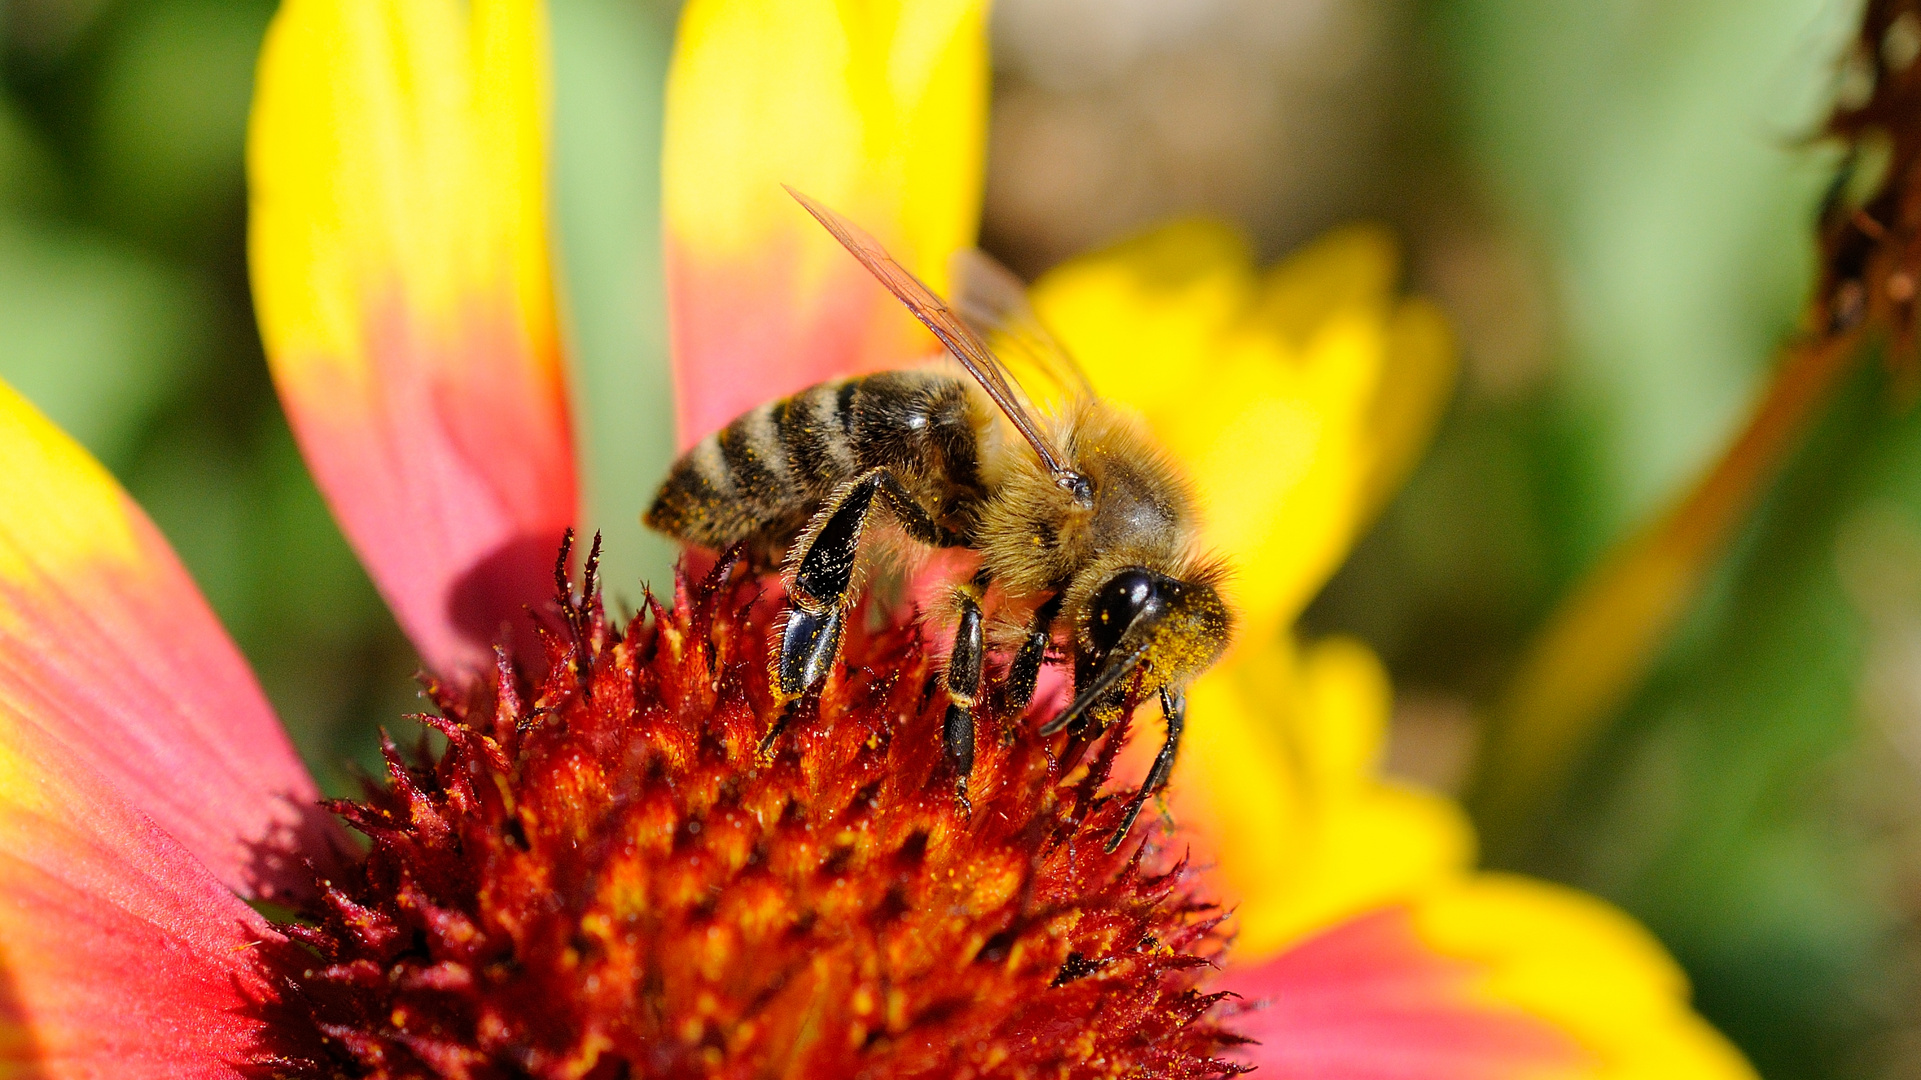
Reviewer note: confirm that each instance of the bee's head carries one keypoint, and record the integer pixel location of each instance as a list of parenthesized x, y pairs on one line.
[(1141, 622)]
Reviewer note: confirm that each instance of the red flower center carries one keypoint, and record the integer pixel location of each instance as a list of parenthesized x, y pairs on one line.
[(614, 871)]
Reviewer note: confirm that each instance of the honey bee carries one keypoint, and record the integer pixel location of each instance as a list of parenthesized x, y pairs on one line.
[(1075, 509)]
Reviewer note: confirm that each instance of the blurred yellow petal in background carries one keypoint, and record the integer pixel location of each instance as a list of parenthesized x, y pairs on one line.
[(1278, 786), (1298, 397)]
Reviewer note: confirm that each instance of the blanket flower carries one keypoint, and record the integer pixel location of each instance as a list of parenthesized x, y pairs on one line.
[(606, 871)]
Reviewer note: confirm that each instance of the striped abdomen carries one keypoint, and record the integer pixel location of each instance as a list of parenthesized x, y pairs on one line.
[(760, 478)]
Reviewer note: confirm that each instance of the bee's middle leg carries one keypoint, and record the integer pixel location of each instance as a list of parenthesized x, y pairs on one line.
[(1025, 671), (964, 665), (818, 595)]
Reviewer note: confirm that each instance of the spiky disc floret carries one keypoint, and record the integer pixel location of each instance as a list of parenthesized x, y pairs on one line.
[(604, 875)]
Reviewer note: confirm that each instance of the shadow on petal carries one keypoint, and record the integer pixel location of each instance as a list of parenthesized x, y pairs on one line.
[(489, 603), (19, 1051)]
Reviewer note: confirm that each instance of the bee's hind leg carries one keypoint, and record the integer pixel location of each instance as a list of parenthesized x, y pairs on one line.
[(1174, 709), (808, 644), (818, 594)]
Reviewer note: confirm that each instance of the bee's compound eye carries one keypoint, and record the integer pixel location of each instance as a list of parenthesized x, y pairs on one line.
[(1119, 603)]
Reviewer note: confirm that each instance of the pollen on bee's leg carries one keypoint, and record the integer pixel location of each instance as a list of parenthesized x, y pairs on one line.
[(613, 870)]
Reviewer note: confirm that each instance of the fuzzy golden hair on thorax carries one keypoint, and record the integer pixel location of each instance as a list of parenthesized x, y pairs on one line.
[(1034, 535)]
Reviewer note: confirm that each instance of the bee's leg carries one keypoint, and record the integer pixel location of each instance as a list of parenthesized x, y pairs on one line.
[(1174, 709), (824, 574), (808, 644), (964, 665), (1025, 671)]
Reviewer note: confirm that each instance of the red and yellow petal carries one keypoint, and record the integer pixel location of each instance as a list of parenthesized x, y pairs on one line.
[(1583, 966), (1369, 1000), (120, 955), (400, 268), (110, 658), (877, 110), (1378, 952), (1486, 977)]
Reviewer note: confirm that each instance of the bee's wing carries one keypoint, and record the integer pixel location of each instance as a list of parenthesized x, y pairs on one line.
[(960, 340), (993, 302)]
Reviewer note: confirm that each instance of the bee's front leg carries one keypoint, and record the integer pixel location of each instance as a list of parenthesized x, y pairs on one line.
[(1174, 710)]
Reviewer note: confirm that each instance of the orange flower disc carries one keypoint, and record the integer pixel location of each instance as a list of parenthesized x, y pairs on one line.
[(605, 875)]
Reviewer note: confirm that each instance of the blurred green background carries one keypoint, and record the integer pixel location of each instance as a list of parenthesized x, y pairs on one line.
[(1613, 199)]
